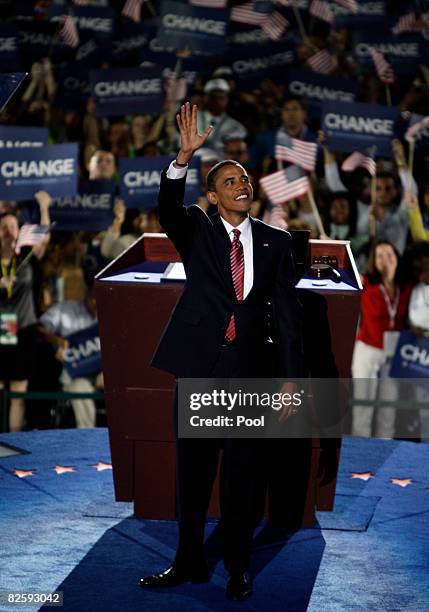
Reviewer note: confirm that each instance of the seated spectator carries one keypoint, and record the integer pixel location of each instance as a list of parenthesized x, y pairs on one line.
[(56, 325), (216, 97)]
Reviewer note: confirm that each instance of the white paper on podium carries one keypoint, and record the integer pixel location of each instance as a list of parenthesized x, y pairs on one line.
[(174, 272)]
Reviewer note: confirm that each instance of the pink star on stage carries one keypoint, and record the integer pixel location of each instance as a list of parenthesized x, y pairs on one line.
[(62, 469), (101, 466), (23, 473), (402, 482), (362, 475)]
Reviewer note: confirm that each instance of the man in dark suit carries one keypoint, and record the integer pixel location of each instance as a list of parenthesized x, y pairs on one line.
[(236, 266)]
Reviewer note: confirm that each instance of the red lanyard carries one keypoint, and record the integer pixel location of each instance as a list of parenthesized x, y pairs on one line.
[(392, 308)]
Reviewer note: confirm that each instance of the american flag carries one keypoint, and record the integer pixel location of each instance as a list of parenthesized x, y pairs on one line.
[(323, 62), (416, 128), (132, 9), (285, 185), (209, 3), (406, 23), (321, 10), (297, 152), (359, 160), (273, 23), (68, 31), (384, 70), (351, 5), (31, 235)]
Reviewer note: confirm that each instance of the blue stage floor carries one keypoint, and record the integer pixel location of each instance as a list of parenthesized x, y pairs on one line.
[(61, 530)]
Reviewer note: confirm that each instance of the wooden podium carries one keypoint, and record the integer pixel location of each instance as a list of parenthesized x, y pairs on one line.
[(133, 309)]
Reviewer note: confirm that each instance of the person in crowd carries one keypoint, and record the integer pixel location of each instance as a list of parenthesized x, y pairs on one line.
[(114, 242), (418, 318), (216, 98), (384, 308), (389, 209), (101, 165), (118, 138), (293, 124), (57, 324), (18, 309), (236, 149)]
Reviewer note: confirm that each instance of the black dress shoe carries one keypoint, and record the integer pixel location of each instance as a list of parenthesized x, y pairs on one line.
[(173, 576), (239, 586)]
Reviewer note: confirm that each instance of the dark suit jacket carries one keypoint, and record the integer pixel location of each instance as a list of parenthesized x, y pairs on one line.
[(192, 340)]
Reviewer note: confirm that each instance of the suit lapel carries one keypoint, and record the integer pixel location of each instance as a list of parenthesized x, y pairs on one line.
[(260, 251)]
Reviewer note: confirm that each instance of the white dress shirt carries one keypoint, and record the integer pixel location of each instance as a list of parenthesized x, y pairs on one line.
[(245, 228)]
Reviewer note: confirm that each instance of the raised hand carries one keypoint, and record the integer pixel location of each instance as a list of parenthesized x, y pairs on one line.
[(190, 139)]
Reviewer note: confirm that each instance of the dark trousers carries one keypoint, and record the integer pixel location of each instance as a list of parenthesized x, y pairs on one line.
[(240, 482)]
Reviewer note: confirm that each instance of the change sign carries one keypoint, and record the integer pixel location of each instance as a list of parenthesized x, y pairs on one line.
[(91, 209), (318, 88), (14, 136), (357, 127), (127, 91), (201, 29), (141, 176), (403, 53), (52, 168), (83, 356), (411, 359), (252, 64)]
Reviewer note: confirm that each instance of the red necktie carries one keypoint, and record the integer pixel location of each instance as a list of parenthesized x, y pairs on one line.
[(237, 271)]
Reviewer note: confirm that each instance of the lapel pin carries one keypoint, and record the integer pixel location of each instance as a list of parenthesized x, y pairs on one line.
[(266, 244)]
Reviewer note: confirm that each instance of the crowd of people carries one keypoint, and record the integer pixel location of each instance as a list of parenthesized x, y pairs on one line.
[(51, 296)]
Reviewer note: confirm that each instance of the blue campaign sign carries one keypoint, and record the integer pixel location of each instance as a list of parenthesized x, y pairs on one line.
[(83, 356), (90, 210), (74, 88), (38, 39), (18, 136), (141, 176), (411, 359), (202, 29), (357, 127), (402, 52), (129, 39), (127, 91), (52, 168), (9, 50), (253, 63), (320, 88), (370, 14), (91, 21)]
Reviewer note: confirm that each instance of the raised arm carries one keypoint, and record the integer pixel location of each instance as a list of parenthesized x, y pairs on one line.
[(174, 218)]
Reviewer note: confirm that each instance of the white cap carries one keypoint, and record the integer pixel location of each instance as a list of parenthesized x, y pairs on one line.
[(207, 155), (216, 85)]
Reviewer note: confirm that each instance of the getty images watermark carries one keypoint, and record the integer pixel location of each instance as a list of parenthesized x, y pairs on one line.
[(299, 408)]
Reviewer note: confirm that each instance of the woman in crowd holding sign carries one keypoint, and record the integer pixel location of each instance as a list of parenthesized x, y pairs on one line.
[(17, 307), (384, 308)]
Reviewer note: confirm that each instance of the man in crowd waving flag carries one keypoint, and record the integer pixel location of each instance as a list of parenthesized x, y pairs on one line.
[(285, 185), (296, 151)]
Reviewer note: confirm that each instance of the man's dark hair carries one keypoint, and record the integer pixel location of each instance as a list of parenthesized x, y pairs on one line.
[(295, 98), (213, 172)]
